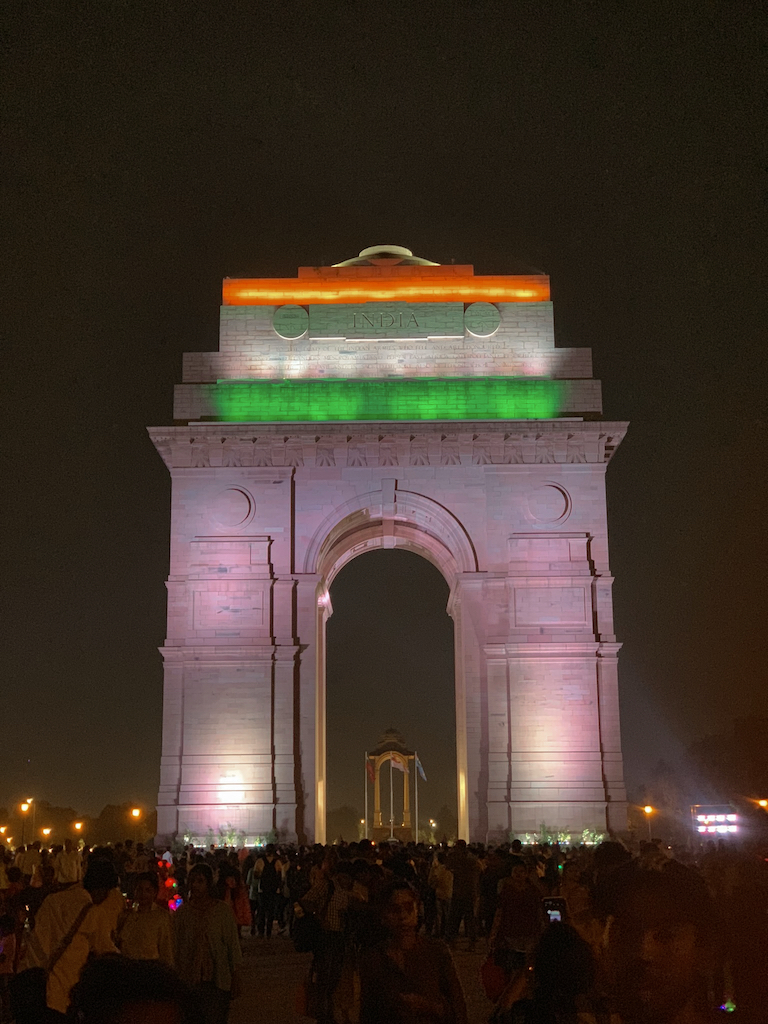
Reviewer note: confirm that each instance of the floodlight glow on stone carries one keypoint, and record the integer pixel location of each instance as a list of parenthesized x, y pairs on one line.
[(421, 398)]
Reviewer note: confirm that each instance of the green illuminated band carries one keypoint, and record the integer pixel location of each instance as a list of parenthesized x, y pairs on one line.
[(419, 398)]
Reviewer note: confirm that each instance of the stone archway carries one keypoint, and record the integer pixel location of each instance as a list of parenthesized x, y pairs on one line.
[(523, 547)]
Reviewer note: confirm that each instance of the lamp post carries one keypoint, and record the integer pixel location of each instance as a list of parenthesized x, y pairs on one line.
[(763, 804), (24, 808), (648, 812)]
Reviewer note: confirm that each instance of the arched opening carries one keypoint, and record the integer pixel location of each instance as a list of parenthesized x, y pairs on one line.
[(391, 519), (389, 663)]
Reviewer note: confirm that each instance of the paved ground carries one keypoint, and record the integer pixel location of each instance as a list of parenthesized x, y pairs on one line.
[(272, 971)]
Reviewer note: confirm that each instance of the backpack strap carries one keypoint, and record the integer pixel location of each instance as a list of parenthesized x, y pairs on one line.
[(63, 946)]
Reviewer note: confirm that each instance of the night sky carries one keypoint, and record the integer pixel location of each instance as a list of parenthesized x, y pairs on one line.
[(153, 149)]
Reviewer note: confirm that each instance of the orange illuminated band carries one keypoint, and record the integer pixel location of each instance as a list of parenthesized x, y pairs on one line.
[(307, 291)]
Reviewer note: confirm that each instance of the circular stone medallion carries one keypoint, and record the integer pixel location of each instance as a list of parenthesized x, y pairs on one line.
[(549, 504), (482, 319), (232, 507), (290, 322)]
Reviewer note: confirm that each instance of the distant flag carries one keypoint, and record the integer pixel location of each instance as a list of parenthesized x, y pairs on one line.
[(399, 765), (420, 768), (369, 770)]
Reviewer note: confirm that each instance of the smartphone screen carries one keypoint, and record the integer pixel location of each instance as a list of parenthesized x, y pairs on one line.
[(554, 908)]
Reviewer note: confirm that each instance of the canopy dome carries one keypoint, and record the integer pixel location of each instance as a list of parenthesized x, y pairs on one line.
[(386, 255), (391, 740)]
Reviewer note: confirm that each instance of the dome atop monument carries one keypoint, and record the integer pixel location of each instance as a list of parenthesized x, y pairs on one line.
[(386, 255), (390, 740)]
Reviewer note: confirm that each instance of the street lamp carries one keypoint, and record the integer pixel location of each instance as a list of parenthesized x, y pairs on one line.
[(135, 812), (78, 826), (762, 803), (47, 832), (648, 812), (24, 808)]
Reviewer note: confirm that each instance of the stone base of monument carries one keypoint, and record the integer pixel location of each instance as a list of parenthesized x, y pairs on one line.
[(402, 833)]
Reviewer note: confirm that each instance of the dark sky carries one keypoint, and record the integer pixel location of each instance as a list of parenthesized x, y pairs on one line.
[(153, 149)]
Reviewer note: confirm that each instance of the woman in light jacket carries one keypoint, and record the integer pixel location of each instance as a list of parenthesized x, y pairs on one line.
[(208, 950)]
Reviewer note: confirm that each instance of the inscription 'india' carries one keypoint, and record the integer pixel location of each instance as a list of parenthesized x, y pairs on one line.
[(379, 320)]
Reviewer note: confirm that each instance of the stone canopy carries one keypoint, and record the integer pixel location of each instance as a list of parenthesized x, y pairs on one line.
[(391, 740)]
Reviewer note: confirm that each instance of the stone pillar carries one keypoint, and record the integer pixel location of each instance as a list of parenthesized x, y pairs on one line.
[(377, 797), (406, 798), (610, 735)]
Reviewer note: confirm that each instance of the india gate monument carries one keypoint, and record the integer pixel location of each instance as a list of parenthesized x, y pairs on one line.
[(389, 402)]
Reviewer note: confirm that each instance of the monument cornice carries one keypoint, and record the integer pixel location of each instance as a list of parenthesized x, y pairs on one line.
[(556, 650), (367, 444), (211, 654)]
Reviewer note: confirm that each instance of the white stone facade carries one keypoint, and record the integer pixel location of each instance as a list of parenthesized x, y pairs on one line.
[(263, 517)]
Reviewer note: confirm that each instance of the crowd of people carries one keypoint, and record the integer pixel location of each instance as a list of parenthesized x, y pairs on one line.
[(595, 935)]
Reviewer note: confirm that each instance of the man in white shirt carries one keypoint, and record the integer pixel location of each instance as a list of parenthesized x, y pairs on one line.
[(70, 926), (29, 862), (69, 864)]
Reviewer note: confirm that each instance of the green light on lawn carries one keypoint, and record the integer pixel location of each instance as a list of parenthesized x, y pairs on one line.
[(419, 398)]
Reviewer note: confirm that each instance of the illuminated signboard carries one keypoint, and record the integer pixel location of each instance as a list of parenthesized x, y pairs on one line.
[(714, 820)]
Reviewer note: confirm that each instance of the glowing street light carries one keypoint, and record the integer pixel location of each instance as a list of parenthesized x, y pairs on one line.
[(648, 812), (24, 808), (47, 832), (762, 803), (78, 825), (3, 829), (135, 812)]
